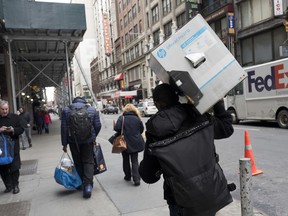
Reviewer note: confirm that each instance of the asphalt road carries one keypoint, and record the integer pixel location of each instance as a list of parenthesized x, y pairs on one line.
[(269, 144)]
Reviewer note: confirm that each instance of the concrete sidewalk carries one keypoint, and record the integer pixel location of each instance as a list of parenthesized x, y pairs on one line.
[(40, 195)]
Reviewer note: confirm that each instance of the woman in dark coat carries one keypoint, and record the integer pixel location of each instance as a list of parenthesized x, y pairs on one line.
[(10, 125), (132, 130)]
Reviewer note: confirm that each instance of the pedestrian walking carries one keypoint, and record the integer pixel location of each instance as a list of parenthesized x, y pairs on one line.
[(80, 125), (132, 130), (47, 120), (10, 125), (180, 144), (26, 119), (39, 120)]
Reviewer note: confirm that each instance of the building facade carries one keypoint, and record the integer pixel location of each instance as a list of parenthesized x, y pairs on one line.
[(103, 66), (260, 32)]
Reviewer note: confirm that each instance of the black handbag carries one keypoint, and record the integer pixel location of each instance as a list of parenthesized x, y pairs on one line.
[(99, 161)]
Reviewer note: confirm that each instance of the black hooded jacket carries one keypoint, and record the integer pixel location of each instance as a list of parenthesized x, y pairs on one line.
[(173, 122)]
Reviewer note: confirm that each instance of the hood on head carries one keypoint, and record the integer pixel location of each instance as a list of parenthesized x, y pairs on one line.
[(79, 100)]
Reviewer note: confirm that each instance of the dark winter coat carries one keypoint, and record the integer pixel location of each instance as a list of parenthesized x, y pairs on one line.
[(94, 117), (39, 120), (175, 120), (16, 122), (26, 119), (133, 128)]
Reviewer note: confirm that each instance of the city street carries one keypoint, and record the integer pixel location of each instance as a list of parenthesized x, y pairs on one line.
[(269, 144)]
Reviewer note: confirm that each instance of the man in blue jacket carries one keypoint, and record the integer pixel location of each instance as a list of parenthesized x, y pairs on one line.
[(81, 150)]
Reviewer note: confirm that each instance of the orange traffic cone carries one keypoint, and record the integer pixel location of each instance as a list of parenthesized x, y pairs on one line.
[(249, 154)]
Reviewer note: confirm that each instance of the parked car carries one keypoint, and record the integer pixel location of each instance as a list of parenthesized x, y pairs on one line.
[(111, 109), (147, 108)]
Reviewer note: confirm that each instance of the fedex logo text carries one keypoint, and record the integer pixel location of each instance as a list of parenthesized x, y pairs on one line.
[(275, 80)]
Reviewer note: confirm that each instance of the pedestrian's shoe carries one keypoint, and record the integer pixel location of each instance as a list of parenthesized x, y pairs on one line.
[(136, 183), (126, 178), (87, 191), (30, 145), (8, 189), (79, 188), (16, 190), (23, 148)]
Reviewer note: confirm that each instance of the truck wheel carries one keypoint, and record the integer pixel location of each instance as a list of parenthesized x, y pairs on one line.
[(282, 119), (235, 120)]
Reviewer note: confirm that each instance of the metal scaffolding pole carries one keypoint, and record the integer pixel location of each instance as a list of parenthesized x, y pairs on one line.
[(12, 78), (68, 73)]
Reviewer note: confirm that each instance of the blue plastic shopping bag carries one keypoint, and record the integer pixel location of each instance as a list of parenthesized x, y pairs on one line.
[(6, 149), (68, 177)]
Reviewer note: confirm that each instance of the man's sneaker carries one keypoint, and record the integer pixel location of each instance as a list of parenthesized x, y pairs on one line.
[(30, 145), (87, 191)]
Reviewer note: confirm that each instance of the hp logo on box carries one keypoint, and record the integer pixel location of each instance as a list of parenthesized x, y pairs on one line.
[(161, 53)]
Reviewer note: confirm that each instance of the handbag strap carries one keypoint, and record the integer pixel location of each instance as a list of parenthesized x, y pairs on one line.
[(122, 129), (5, 144), (63, 156)]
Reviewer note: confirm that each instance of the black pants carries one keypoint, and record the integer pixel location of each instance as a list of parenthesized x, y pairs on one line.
[(135, 165), (84, 161), (9, 178)]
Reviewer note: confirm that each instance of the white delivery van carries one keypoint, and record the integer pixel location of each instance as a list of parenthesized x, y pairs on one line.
[(263, 95)]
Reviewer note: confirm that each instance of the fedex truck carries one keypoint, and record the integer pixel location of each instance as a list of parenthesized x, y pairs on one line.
[(263, 95)]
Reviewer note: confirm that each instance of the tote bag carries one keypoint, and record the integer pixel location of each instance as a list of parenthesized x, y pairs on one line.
[(69, 178), (6, 149), (99, 161)]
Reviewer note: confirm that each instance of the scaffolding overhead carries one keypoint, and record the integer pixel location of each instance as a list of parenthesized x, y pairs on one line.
[(41, 39)]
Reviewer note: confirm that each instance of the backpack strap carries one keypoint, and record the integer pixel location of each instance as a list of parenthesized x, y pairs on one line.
[(186, 133)]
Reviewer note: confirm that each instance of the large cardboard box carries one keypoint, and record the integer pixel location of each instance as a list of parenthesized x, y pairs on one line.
[(197, 61)]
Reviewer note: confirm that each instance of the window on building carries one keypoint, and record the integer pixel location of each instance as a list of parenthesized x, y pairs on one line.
[(168, 29), (131, 35), (279, 36), (122, 40), (258, 49), (178, 2), (148, 20), (130, 16), (139, 6), (121, 24), (126, 39), (125, 20), (263, 47), (132, 54), (253, 11), (181, 20), (137, 51), (166, 4), (155, 14), (140, 26), (134, 12), (156, 37), (127, 56), (135, 31)]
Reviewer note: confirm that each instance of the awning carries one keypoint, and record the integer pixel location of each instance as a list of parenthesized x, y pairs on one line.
[(119, 76), (128, 93), (137, 86)]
